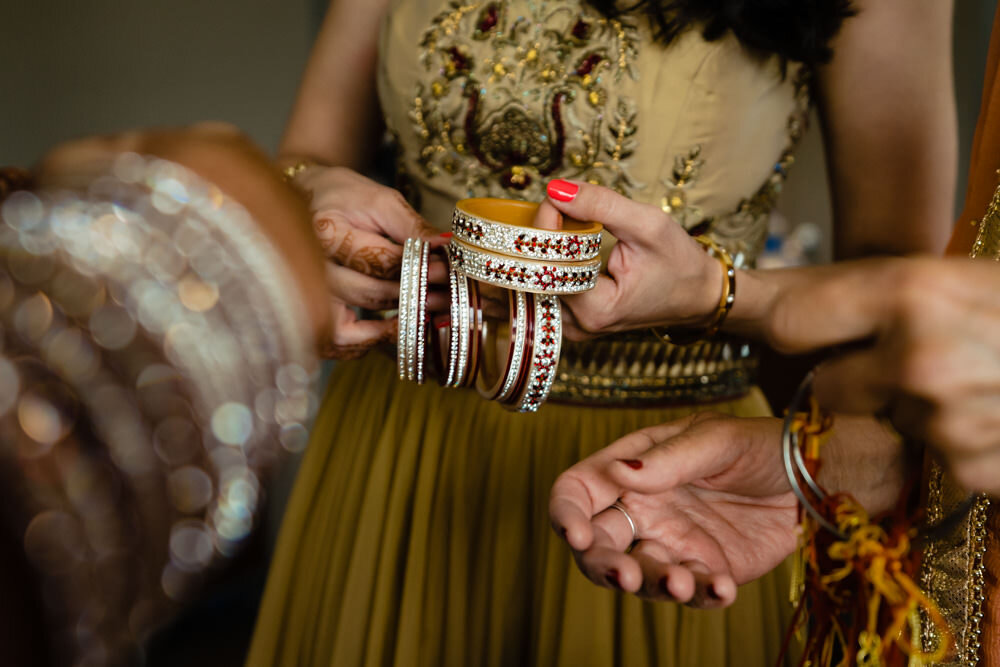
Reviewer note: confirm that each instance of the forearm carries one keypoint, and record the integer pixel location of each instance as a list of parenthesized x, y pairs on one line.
[(335, 114)]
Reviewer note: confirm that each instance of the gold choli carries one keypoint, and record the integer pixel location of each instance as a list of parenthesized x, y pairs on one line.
[(505, 96), (953, 570)]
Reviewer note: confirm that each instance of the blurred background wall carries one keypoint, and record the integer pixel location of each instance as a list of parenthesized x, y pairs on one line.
[(99, 65)]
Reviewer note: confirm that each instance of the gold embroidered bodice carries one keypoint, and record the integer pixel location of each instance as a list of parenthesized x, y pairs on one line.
[(497, 98)]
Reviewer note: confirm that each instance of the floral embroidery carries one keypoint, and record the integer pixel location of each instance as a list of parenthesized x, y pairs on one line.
[(540, 103)]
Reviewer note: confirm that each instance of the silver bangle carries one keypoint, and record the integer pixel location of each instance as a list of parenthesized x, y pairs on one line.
[(405, 271), (421, 311), (520, 328), (453, 328), (523, 274)]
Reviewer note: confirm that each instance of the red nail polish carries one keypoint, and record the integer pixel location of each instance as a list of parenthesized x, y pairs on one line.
[(634, 464), (612, 578), (446, 235), (561, 190)]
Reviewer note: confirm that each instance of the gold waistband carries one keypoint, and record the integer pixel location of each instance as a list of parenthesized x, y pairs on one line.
[(639, 369)]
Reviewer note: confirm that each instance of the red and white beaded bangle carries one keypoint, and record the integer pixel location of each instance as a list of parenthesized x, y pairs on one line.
[(543, 355), (505, 226), (524, 274)]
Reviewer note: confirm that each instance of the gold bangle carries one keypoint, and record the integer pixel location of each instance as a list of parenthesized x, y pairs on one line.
[(680, 336), (289, 173)]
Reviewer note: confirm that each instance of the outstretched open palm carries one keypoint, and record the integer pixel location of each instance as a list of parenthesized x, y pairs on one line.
[(709, 500)]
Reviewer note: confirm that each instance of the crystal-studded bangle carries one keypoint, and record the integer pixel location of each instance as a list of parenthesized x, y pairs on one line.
[(679, 336), (405, 278), (450, 377), (474, 333), (525, 275), (499, 372), (413, 308), (421, 313), (505, 226), (544, 352)]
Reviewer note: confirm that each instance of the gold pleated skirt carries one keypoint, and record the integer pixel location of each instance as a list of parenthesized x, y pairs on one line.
[(417, 535)]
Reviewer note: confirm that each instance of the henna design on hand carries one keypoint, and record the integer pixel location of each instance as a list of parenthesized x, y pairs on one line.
[(376, 262)]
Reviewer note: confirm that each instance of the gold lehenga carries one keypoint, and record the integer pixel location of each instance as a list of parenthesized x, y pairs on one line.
[(417, 532)]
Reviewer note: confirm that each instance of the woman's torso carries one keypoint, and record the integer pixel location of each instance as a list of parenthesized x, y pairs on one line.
[(497, 98)]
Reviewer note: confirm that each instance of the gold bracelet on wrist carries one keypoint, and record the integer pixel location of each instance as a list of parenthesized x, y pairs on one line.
[(679, 336)]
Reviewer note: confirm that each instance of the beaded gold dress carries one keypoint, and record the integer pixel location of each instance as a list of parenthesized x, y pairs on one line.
[(417, 532)]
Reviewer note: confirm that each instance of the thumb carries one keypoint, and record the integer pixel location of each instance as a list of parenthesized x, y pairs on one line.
[(706, 448), (625, 219)]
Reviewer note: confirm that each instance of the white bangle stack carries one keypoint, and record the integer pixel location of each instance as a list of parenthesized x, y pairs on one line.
[(412, 337)]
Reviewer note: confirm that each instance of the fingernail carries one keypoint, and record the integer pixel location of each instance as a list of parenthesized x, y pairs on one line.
[(634, 464), (446, 235), (710, 589), (665, 584), (561, 190), (612, 578)]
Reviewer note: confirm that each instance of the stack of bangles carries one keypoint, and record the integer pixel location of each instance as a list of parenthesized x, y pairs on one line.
[(496, 250)]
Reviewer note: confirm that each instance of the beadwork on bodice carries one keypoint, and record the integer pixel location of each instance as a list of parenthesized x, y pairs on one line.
[(538, 102)]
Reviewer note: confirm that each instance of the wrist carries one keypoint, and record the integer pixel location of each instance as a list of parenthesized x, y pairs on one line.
[(700, 294), (753, 314)]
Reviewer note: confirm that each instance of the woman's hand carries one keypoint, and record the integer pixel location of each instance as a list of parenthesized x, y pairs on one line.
[(361, 227), (709, 498), (657, 274)]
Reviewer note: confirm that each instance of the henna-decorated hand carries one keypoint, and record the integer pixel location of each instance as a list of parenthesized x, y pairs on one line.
[(361, 227)]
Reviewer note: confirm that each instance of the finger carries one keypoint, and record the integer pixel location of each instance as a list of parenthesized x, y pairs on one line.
[(625, 219), (352, 338), (712, 589), (680, 456), (610, 568), (571, 509), (584, 490), (399, 221), (593, 311), (655, 560), (617, 532), (358, 289), (548, 217), (357, 249), (856, 383)]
